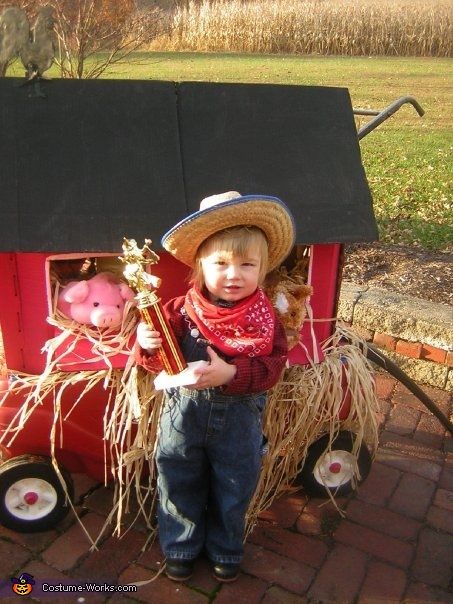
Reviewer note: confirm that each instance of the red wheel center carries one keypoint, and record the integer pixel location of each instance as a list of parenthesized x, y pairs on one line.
[(335, 467), (31, 498)]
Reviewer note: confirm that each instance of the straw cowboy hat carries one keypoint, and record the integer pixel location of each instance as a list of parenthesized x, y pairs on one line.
[(219, 212)]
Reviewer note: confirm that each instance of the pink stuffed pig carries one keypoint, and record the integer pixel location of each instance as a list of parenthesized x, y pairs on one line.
[(97, 301)]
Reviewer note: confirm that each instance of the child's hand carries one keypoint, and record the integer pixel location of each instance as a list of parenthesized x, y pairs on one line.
[(217, 373), (147, 338)]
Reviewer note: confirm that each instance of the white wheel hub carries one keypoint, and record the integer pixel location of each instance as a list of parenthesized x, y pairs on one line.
[(335, 468), (30, 498)]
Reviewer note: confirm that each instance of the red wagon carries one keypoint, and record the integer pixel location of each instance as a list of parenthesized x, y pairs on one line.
[(98, 160)]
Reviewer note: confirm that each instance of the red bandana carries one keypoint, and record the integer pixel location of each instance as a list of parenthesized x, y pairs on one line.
[(245, 329)]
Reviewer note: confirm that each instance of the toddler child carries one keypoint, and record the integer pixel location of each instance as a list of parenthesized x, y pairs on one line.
[(210, 438)]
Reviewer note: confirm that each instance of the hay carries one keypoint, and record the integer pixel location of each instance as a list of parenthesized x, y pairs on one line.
[(303, 406), (131, 413), (130, 428)]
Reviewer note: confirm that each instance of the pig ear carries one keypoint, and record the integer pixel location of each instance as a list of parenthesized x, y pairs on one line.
[(76, 292), (126, 292)]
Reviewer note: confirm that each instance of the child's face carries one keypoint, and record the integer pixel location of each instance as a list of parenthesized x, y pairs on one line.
[(231, 278)]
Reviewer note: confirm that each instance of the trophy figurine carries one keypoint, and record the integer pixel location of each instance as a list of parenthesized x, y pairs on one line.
[(140, 279), (137, 272)]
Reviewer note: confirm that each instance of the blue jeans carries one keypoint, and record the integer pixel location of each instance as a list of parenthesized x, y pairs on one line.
[(208, 458)]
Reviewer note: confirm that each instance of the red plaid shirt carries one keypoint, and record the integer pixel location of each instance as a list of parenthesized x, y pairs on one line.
[(253, 374)]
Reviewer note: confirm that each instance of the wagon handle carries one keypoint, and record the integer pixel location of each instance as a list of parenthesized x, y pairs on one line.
[(381, 116)]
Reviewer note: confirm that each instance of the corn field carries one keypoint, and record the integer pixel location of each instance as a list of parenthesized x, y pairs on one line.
[(324, 27)]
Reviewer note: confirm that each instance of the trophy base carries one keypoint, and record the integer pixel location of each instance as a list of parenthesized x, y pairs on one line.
[(187, 377)]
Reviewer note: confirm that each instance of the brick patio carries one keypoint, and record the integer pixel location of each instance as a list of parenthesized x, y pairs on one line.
[(394, 544)]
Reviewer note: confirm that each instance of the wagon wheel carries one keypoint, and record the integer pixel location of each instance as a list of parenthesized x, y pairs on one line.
[(334, 468), (32, 498)]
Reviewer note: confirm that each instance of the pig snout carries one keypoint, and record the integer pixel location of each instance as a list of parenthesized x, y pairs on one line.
[(107, 316)]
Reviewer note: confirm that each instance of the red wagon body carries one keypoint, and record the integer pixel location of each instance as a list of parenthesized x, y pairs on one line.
[(129, 160), (24, 307)]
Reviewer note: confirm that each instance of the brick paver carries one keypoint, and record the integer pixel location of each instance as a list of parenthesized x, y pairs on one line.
[(383, 583), (251, 589), (12, 557), (403, 420), (446, 477), (72, 545), (380, 484), (440, 519), (434, 561), (383, 520), (430, 431), (413, 496), (420, 593), (341, 576), (275, 568), (35, 542), (444, 499), (385, 386), (111, 558), (403, 455), (377, 544), (392, 544), (277, 595), (285, 511), (160, 589), (290, 544)]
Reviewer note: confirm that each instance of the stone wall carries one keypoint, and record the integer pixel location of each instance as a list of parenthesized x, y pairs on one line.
[(414, 333)]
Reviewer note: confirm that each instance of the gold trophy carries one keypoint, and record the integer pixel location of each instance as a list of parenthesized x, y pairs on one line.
[(137, 273)]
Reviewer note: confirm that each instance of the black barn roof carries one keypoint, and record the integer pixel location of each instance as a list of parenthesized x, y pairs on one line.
[(97, 160)]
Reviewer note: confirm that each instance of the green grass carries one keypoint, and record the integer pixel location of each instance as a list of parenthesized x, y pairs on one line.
[(407, 159), (410, 176)]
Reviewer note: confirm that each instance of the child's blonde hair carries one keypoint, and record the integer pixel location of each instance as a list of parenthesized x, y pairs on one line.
[(234, 242)]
